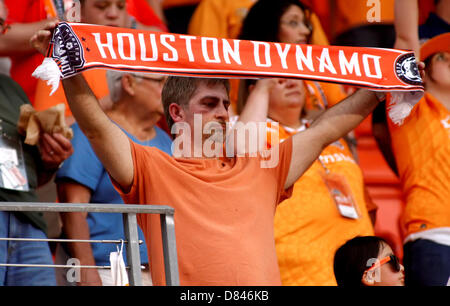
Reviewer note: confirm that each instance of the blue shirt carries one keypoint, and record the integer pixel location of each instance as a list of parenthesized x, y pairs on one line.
[(84, 167), (433, 26)]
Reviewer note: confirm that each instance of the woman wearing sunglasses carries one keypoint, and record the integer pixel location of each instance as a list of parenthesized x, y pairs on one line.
[(367, 261)]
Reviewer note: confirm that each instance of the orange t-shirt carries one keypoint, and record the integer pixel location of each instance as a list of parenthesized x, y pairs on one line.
[(422, 151), (224, 210), (308, 226), (96, 78), (219, 18)]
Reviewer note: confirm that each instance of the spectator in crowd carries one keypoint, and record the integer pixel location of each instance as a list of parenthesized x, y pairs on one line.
[(415, 150), (367, 261), (25, 17), (82, 179), (40, 164), (420, 147), (216, 214), (408, 36), (310, 225), (311, 207), (305, 257)]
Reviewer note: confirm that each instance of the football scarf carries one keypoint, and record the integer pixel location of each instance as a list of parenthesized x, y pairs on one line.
[(77, 47)]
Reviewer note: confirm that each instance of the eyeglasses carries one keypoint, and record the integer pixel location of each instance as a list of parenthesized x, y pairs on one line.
[(294, 24), (158, 81), (391, 259), (4, 26)]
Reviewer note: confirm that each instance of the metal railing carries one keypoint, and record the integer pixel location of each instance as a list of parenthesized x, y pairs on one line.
[(129, 212)]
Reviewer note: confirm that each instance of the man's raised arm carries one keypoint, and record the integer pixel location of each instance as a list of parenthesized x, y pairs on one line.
[(108, 141), (333, 124)]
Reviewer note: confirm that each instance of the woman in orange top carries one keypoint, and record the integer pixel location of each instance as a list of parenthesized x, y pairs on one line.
[(315, 221)]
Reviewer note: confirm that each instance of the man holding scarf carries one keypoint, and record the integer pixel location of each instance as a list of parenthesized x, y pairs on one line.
[(224, 230)]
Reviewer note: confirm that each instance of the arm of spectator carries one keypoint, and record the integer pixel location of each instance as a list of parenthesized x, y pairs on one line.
[(255, 110), (407, 25), (75, 226), (109, 142), (333, 124), (17, 39), (257, 105), (54, 149)]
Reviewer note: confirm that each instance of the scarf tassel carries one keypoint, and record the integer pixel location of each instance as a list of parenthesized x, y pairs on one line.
[(50, 72), (401, 103)]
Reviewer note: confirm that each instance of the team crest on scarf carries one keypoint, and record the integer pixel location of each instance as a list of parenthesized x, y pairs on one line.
[(67, 51), (407, 70)]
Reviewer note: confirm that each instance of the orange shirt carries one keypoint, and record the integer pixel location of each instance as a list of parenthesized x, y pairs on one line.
[(224, 210), (219, 18), (96, 78), (422, 150), (309, 227), (23, 65)]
